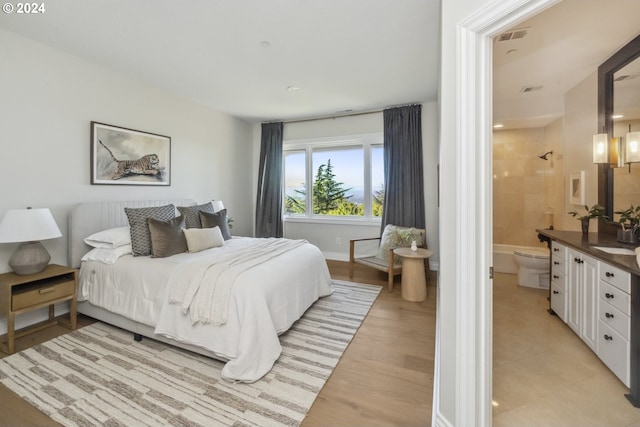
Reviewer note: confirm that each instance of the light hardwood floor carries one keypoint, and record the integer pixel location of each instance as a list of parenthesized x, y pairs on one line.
[(385, 377)]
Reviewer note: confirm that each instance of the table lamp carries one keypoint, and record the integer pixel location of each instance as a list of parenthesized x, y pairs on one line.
[(28, 226), (217, 205)]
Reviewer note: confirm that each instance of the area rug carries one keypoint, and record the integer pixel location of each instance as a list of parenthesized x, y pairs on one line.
[(99, 375)]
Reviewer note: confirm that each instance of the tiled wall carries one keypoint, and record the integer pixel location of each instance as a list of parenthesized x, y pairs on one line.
[(525, 186)]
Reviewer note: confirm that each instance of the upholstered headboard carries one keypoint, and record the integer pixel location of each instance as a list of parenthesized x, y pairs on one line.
[(88, 218)]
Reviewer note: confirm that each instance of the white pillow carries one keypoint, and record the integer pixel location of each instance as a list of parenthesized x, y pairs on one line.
[(107, 255), (199, 239), (110, 239)]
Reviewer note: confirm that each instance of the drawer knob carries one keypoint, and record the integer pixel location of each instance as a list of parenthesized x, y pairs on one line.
[(556, 263), (608, 295), (608, 337), (555, 276), (608, 315), (556, 292), (556, 250), (608, 274)]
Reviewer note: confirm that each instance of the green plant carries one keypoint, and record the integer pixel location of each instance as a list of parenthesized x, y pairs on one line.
[(595, 211), (630, 215)]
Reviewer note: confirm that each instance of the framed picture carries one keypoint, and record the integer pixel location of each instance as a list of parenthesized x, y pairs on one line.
[(129, 157), (576, 188)]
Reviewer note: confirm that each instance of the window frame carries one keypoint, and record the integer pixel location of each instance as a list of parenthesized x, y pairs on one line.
[(364, 141)]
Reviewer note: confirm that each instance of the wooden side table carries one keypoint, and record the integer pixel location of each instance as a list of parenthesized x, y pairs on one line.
[(20, 294), (414, 280)]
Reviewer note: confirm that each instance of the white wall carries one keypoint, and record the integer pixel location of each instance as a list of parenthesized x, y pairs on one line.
[(47, 102), (324, 235)]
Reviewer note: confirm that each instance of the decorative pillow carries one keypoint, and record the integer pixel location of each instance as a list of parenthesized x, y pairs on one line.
[(398, 237), (199, 239), (218, 219), (111, 238), (167, 237), (140, 238), (192, 214), (107, 255)]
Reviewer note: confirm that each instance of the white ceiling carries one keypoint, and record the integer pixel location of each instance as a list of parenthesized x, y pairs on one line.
[(358, 55), (563, 45), (344, 56)]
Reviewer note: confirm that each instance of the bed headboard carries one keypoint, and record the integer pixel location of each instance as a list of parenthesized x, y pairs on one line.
[(88, 218)]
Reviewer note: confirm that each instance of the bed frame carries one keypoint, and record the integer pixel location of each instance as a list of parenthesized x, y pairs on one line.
[(88, 218)]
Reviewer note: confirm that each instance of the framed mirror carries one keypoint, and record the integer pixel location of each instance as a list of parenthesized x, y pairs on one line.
[(615, 86)]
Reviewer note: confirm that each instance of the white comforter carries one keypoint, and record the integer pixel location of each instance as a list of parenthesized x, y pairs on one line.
[(265, 301)]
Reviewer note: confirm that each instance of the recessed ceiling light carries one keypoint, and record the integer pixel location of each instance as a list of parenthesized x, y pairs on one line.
[(498, 126), (292, 88)]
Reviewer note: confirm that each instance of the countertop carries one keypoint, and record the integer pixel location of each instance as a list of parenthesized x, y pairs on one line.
[(585, 244)]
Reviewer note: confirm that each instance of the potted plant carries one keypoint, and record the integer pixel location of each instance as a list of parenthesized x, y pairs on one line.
[(630, 224), (595, 211)]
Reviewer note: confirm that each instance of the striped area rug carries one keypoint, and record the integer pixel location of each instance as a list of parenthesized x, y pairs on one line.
[(99, 375)]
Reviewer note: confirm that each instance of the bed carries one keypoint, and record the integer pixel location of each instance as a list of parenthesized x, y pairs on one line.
[(154, 297)]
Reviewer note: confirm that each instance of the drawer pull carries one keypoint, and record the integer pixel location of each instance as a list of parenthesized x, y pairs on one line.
[(46, 290), (556, 250), (608, 337), (608, 295), (556, 292), (556, 263), (555, 276), (608, 274), (608, 315)]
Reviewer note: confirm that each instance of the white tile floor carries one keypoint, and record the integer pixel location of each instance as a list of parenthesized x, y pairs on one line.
[(543, 374)]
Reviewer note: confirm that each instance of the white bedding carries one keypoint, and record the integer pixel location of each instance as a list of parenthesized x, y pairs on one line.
[(265, 301)]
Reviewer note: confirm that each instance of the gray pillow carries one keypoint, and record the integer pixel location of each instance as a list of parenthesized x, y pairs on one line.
[(192, 214), (140, 238), (167, 237), (216, 219)]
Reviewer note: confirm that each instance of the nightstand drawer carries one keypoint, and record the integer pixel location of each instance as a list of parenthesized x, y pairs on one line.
[(39, 294)]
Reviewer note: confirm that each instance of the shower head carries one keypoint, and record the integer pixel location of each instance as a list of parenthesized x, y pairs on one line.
[(546, 155)]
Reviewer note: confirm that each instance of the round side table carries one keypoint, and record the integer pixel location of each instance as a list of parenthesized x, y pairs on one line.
[(414, 280)]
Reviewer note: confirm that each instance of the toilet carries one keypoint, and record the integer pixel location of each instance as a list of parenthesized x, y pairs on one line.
[(533, 267)]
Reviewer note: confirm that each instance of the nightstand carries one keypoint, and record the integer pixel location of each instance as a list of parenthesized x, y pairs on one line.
[(20, 294)]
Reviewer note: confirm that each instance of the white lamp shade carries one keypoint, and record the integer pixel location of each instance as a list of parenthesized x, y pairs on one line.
[(217, 205), (601, 148), (28, 225), (632, 147)]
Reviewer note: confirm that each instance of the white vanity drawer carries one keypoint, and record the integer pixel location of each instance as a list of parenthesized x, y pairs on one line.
[(614, 318), (618, 278), (615, 297), (559, 301), (613, 350), (559, 279), (558, 264)]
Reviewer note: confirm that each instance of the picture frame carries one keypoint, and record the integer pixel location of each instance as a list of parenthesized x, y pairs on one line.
[(123, 156), (577, 188)]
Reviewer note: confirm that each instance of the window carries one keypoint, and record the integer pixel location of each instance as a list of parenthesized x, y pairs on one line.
[(337, 177)]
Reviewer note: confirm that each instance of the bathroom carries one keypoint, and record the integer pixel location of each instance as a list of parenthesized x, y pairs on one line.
[(528, 193)]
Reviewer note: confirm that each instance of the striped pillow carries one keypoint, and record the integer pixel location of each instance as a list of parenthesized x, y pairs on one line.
[(140, 237)]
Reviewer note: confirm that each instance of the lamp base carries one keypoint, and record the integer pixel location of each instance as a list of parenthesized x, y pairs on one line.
[(29, 258)]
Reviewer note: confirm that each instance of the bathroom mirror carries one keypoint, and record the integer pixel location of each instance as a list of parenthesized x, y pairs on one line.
[(612, 68)]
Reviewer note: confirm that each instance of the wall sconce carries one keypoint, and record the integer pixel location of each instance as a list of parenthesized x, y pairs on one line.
[(608, 151), (632, 147)]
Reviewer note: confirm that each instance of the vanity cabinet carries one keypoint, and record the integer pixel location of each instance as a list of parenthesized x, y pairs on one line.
[(582, 296), (614, 307), (558, 286)]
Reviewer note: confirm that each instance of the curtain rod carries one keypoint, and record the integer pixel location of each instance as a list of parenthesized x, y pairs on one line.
[(361, 113)]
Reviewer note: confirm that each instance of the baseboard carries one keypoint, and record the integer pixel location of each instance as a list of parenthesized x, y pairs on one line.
[(440, 420)]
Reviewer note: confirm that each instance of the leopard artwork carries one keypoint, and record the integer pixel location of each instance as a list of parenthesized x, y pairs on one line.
[(145, 165)]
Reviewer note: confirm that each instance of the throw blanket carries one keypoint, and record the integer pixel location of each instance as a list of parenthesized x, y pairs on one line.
[(203, 288)]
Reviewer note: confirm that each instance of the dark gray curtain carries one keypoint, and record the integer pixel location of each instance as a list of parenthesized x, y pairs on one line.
[(403, 182), (269, 202)]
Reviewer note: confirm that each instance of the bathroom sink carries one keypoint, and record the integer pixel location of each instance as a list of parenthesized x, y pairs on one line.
[(615, 251)]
